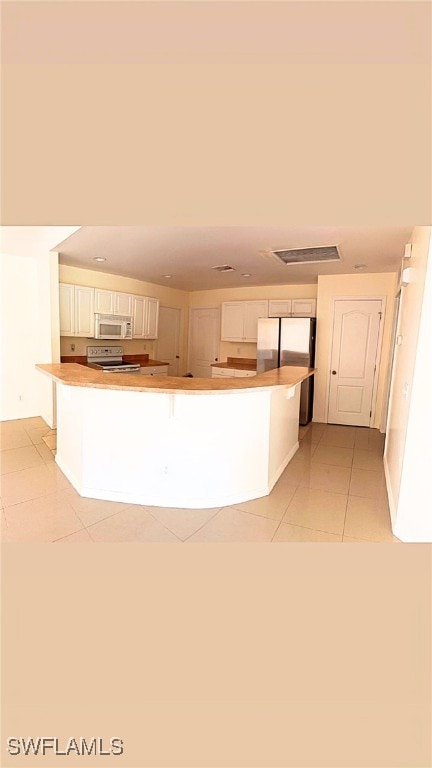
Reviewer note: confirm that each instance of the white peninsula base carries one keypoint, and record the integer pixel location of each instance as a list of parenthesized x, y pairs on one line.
[(175, 450)]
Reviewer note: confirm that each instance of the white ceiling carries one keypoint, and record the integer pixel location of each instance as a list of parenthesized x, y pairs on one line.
[(189, 253), (31, 241)]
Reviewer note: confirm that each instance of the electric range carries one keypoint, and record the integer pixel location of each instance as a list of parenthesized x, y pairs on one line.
[(110, 359)]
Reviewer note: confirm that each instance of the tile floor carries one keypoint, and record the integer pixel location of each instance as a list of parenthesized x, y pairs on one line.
[(333, 490)]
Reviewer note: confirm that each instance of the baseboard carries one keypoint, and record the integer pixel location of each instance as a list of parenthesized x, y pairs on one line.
[(391, 501), (280, 469), (68, 474)]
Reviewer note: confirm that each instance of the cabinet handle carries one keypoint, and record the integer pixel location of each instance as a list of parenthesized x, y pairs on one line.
[(334, 373)]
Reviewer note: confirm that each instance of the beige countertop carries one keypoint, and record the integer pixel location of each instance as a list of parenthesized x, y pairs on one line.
[(238, 363), (76, 375)]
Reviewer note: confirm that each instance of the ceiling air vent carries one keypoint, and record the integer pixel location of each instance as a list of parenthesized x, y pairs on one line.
[(224, 268), (307, 255)]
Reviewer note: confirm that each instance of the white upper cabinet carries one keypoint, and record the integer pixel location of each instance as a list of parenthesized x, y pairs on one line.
[(67, 309), (292, 308), (84, 311), (104, 301), (113, 302), (240, 319), (303, 308), (280, 308), (145, 315), (152, 318), (123, 304), (138, 320), (76, 310), (232, 323), (78, 305)]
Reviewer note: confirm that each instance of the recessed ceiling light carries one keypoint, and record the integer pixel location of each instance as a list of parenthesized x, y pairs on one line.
[(246, 274), (99, 258), (360, 266), (167, 276)]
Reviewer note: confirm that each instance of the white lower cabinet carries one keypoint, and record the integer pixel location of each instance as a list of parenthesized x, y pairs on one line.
[(76, 310), (222, 373), (243, 374), (154, 370)]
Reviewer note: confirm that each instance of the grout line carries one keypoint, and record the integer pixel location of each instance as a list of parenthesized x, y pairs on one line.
[(144, 508), (306, 528), (53, 541), (203, 525)]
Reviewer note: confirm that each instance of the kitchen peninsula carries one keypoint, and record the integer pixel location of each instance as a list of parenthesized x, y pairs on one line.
[(175, 441)]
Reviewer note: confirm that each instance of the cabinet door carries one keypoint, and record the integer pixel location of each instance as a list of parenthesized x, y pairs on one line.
[(253, 311), (304, 308), (221, 373), (84, 311), (154, 370), (280, 308), (151, 318), (122, 304), (138, 317), (67, 306), (104, 301), (232, 327)]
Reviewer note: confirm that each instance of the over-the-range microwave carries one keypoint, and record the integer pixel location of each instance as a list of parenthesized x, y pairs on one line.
[(112, 327)]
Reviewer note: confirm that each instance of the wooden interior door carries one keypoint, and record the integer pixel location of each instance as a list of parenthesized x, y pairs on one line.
[(204, 338), (167, 347), (356, 333)]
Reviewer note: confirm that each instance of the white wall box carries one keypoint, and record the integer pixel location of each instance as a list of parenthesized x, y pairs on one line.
[(240, 319), (280, 308), (303, 308), (76, 310), (145, 315)]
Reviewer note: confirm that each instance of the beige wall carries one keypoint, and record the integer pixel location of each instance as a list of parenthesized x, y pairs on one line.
[(169, 297), (215, 298), (407, 450), (28, 334), (329, 288)]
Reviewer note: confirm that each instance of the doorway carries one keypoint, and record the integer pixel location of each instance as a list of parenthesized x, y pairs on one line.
[(354, 360), (168, 343), (204, 338)]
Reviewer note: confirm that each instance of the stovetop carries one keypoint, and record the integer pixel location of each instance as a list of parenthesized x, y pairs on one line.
[(109, 359), (115, 363)]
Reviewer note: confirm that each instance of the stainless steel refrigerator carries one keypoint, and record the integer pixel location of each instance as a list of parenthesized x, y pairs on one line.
[(289, 341)]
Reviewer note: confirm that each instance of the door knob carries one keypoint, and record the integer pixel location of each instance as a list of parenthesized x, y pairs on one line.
[(334, 373)]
